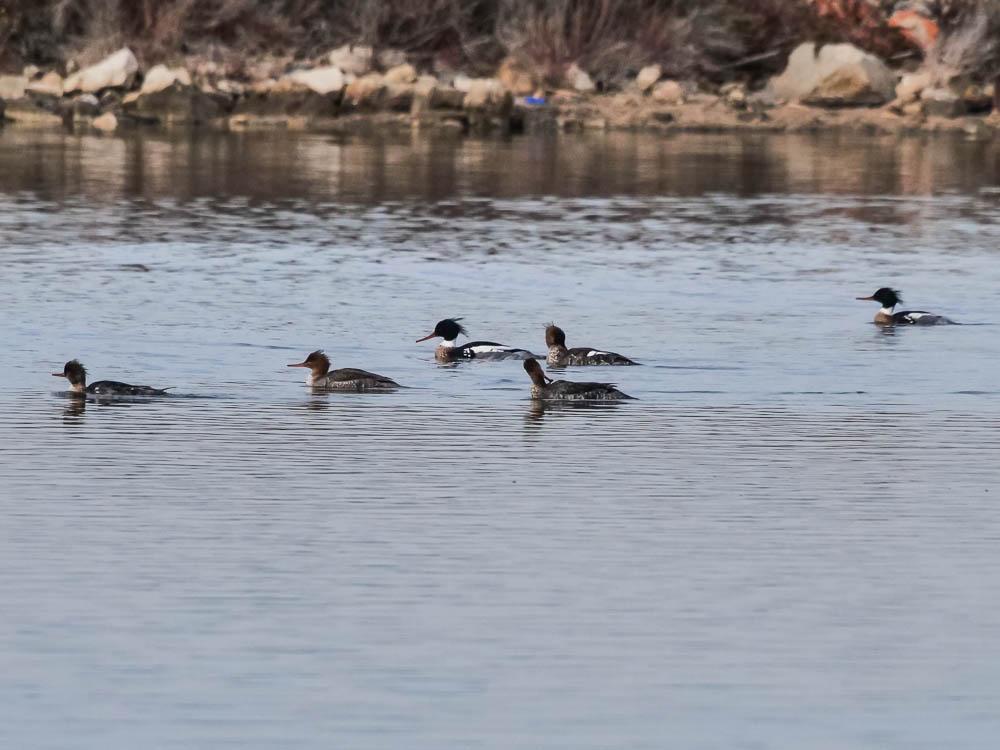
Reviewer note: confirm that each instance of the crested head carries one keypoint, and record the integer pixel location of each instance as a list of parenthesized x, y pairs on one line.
[(554, 335), (75, 373), (448, 329), (886, 297), (317, 362)]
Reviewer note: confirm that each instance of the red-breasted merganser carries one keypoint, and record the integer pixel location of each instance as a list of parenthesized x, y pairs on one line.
[(76, 374), (346, 379), (450, 329), (889, 298), (546, 389), (560, 356)]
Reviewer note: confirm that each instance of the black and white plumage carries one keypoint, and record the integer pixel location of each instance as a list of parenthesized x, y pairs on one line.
[(449, 350), (546, 389), (560, 356), (886, 316), (344, 379), (76, 374)]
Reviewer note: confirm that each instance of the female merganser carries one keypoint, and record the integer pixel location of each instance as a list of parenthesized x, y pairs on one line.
[(76, 374), (889, 298), (449, 329), (545, 388), (560, 356), (346, 379)]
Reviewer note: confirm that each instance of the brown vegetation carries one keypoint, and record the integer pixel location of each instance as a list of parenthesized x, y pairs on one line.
[(702, 39)]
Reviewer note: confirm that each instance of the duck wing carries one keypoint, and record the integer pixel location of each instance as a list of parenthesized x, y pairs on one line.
[(114, 388), (351, 376), (566, 389), (491, 350), (584, 355), (919, 318)]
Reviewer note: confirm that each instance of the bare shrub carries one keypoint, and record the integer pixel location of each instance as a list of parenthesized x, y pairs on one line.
[(969, 43)]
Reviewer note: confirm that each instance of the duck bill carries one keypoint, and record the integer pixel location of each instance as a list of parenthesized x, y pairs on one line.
[(58, 375), (865, 299), (299, 364), (428, 336)]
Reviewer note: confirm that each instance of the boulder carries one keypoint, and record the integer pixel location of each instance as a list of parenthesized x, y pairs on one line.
[(326, 80), (978, 99), (400, 74), (115, 70), (488, 105), (578, 79), (462, 83), (911, 84), (13, 87), (106, 123), (390, 58), (398, 97), (161, 77), (50, 84), (517, 77), (285, 98), (668, 92), (734, 95), (941, 102), (30, 113), (176, 104), (355, 60), (836, 74), (648, 77), (86, 105), (366, 92)]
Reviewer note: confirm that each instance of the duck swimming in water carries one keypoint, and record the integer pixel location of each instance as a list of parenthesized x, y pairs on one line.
[(546, 389), (448, 350), (76, 374), (346, 379), (889, 298), (560, 356)]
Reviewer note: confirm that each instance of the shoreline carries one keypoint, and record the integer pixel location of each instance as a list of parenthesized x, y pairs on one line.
[(861, 95)]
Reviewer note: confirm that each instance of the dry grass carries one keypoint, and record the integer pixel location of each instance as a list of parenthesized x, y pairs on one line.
[(703, 39)]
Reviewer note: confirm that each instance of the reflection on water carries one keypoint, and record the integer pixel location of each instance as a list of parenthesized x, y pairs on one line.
[(794, 522)]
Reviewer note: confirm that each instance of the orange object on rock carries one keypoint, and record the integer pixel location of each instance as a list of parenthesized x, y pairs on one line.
[(916, 28)]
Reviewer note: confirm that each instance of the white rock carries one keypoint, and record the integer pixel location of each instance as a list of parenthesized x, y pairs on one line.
[(161, 77), (390, 58), (579, 79), (807, 69), (321, 80), (107, 122), (356, 60), (483, 92), (405, 73), (668, 92), (116, 69), (911, 84), (50, 84), (13, 87), (462, 83), (648, 77)]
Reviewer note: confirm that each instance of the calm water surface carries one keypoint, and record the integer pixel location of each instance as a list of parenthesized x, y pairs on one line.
[(791, 540)]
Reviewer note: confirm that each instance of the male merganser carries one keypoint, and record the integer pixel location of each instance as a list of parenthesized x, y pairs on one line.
[(76, 374), (889, 298), (560, 356), (545, 388), (449, 329), (346, 379)]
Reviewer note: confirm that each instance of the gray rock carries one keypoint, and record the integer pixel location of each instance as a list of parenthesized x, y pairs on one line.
[(941, 102)]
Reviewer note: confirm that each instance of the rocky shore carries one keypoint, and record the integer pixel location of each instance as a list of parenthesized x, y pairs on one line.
[(357, 89)]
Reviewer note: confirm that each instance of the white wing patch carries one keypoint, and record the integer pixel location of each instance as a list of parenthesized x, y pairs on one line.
[(595, 353), (488, 349)]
